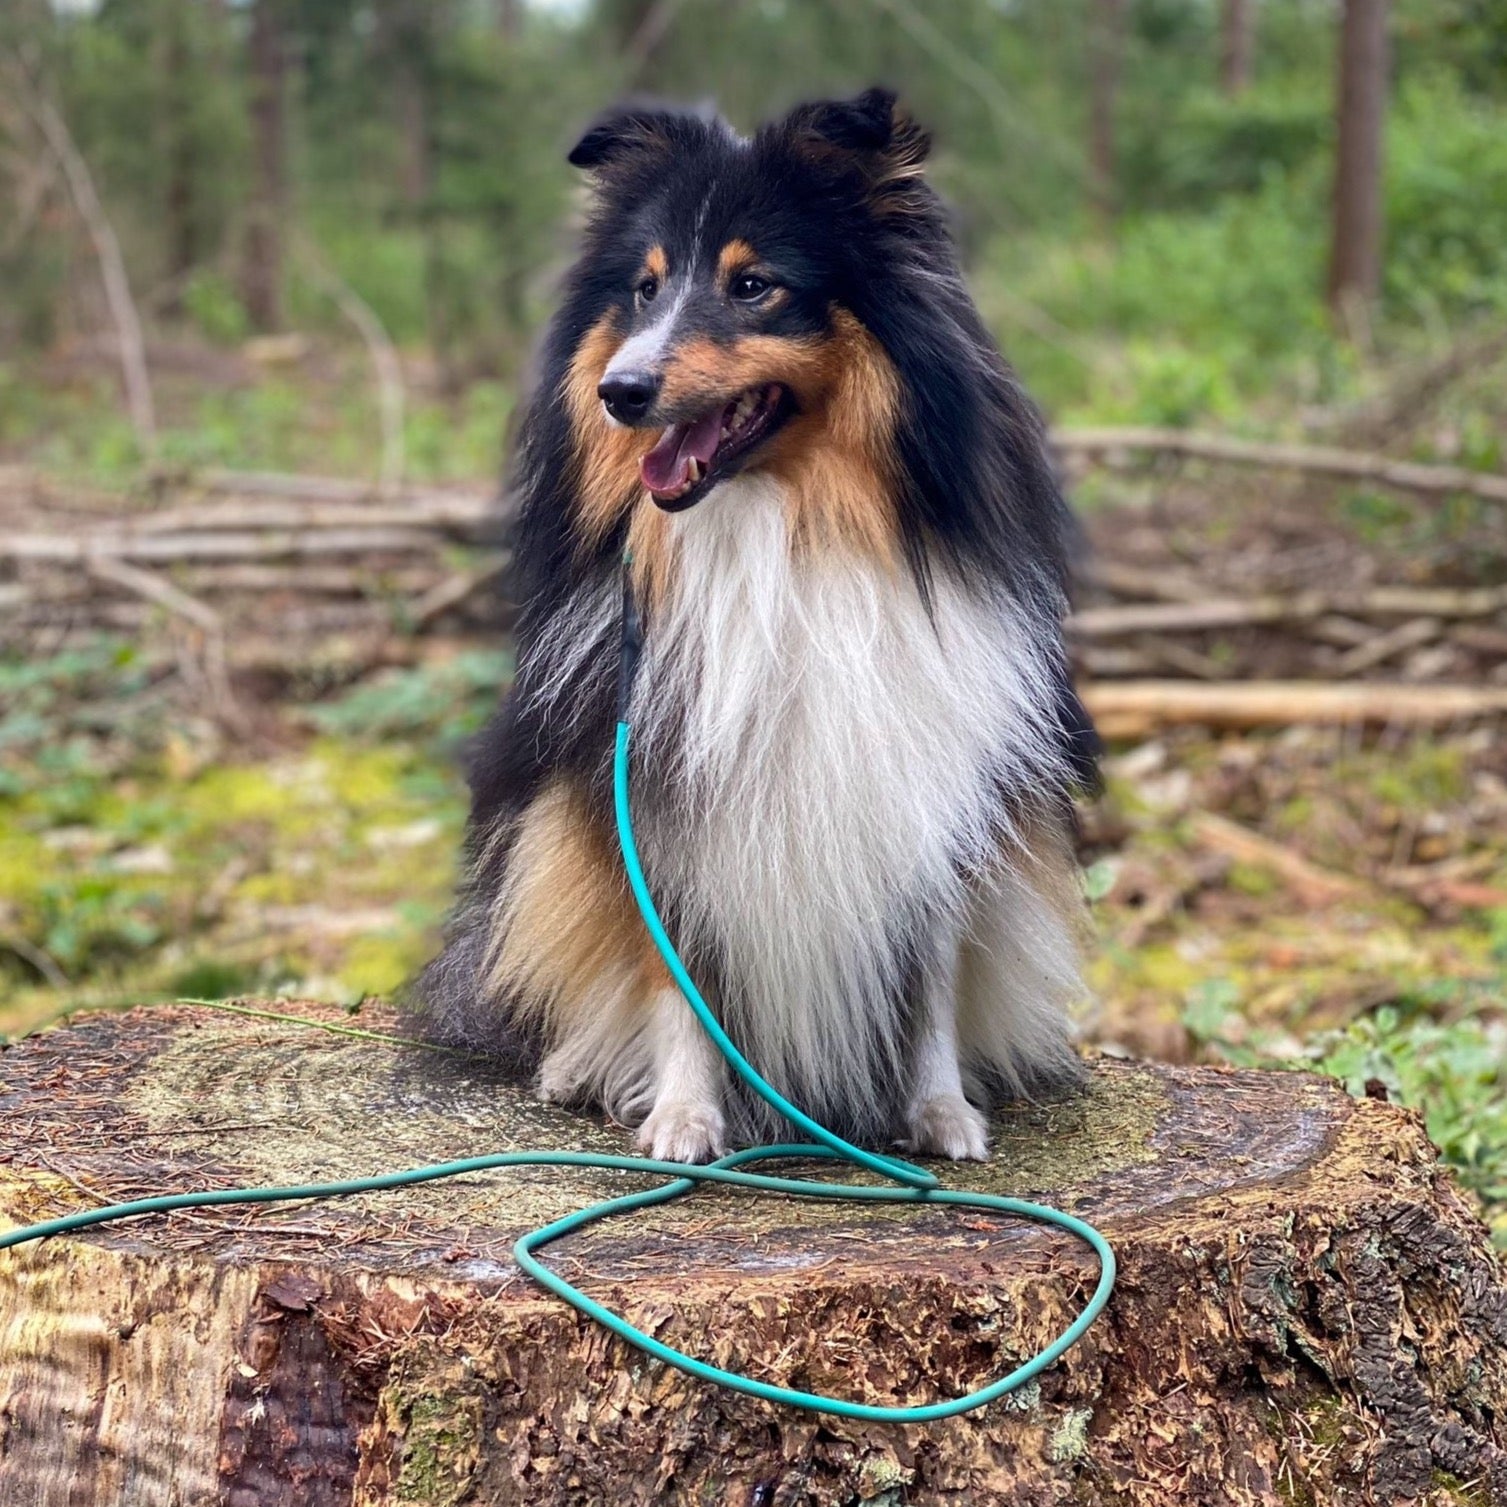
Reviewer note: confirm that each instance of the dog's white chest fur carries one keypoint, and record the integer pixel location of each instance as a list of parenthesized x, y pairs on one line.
[(831, 759)]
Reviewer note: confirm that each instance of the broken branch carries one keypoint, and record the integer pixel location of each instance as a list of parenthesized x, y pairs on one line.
[(1321, 460)]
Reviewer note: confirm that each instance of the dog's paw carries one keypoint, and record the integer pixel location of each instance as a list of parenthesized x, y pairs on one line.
[(557, 1083), (949, 1126), (683, 1130)]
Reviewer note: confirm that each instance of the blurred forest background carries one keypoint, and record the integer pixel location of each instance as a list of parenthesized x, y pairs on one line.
[(270, 273)]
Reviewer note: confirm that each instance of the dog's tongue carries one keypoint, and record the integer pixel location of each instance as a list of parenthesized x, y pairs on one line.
[(667, 466)]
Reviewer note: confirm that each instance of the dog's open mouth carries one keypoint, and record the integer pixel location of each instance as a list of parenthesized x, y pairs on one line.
[(691, 458)]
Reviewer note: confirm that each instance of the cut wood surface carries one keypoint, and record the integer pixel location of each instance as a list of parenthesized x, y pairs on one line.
[(1308, 1311)]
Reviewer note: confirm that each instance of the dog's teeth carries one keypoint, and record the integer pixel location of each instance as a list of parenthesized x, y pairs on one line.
[(695, 472)]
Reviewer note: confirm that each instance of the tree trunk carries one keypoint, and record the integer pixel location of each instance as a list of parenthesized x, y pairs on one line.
[(1355, 259), (1237, 38), (1307, 1309), (408, 45), (179, 150), (262, 273), (1107, 43)]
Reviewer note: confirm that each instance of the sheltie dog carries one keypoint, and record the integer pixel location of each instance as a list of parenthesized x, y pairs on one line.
[(854, 736)]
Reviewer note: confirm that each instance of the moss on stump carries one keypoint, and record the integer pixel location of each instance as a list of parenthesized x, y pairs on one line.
[(1308, 1311)]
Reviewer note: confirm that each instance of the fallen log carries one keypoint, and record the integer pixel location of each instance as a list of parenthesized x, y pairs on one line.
[(268, 544), (1185, 615), (458, 510), (1137, 708), (1307, 1310), (1316, 460)]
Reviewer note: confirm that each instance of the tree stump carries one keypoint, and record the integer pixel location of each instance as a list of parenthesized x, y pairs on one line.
[(1308, 1312)]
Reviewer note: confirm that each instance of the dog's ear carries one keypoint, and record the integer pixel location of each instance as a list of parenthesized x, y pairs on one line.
[(633, 129), (871, 130)]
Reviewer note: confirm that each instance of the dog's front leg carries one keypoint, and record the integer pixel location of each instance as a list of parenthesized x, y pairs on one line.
[(939, 1120), (686, 1123)]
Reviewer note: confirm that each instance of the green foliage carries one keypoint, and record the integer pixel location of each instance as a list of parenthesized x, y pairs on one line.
[(45, 701), (1207, 305), (1429, 1052), (1210, 145), (426, 158), (134, 865), (1186, 318), (1447, 201), (212, 304), (1208, 1011), (1455, 1072), (152, 92), (1468, 37), (447, 701)]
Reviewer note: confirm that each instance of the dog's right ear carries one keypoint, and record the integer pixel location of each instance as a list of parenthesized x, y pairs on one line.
[(627, 131)]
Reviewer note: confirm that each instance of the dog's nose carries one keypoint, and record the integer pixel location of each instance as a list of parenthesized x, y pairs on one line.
[(629, 395)]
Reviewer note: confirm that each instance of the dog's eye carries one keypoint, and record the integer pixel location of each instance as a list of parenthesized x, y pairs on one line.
[(749, 287), (648, 290)]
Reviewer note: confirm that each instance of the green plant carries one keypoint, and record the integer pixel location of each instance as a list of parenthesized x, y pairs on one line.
[(1454, 1072), (213, 306), (444, 702)]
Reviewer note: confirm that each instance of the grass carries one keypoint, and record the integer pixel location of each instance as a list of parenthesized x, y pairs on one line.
[(315, 415), (139, 864)]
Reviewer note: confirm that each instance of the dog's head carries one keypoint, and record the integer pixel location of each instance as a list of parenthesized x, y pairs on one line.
[(725, 279), (788, 303)]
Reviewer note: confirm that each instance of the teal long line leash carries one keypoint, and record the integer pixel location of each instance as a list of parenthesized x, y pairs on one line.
[(906, 1182)]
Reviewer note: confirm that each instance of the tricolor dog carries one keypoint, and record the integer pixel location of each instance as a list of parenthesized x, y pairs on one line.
[(855, 739)]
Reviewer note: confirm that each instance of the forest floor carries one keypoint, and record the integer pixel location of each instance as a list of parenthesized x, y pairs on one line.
[(1311, 895)]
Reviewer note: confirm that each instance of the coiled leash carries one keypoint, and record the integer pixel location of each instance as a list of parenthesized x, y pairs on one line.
[(907, 1183)]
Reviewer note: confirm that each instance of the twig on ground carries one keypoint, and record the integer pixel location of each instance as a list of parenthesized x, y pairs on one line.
[(436, 510), (1320, 460), (1233, 612), (1379, 419), (1310, 883), (1181, 617), (1134, 581), (39, 958), (273, 544), (1169, 654), (144, 584), (1409, 635), (454, 590), (153, 588)]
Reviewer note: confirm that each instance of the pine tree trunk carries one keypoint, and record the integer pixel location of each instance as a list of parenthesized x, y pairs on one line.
[(1355, 260), (1308, 1311), (262, 270), (179, 148), (1237, 37)]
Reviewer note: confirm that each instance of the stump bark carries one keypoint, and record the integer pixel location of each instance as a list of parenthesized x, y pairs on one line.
[(1308, 1312)]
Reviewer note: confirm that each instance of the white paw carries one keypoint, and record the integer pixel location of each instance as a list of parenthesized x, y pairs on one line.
[(683, 1130), (949, 1126), (557, 1084)]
